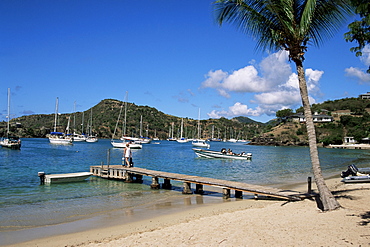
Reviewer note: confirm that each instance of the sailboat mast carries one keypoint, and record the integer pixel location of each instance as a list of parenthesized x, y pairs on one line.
[(199, 124), (124, 121), (8, 125), (74, 117), (82, 123), (56, 114), (172, 129), (182, 124), (90, 121), (67, 129), (141, 125)]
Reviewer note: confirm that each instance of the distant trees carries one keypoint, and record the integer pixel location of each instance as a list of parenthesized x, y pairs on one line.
[(357, 127), (284, 113)]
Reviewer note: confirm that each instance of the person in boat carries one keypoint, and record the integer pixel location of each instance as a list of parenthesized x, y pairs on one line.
[(128, 156), (229, 151), (223, 151)]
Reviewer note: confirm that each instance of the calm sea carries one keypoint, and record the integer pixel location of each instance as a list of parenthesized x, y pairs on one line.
[(26, 206)]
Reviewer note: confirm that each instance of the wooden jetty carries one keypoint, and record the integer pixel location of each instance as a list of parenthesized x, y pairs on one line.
[(350, 146), (135, 174)]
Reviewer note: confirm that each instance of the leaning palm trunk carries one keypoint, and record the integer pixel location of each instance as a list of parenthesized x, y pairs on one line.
[(327, 199), (291, 25)]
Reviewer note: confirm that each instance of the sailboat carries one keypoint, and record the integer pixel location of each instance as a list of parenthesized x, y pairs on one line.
[(199, 142), (79, 137), (12, 142), (182, 139), (90, 137), (170, 133), (141, 139), (59, 137), (122, 144), (213, 139)]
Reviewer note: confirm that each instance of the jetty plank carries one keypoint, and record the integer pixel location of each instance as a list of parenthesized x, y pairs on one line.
[(118, 171)]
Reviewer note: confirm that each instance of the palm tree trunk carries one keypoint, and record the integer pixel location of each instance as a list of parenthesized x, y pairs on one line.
[(327, 199)]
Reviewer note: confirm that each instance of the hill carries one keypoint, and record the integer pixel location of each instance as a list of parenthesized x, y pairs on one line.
[(154, 123), (350, 118)]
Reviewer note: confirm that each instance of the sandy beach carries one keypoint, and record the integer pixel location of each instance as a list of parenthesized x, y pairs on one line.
[(243, 223)]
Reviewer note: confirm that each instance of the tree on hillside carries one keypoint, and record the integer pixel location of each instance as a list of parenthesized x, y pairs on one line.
[(284, 113), (290, 25), (359, 31)]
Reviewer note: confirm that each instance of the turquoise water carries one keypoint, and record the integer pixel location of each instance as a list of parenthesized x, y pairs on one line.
[(25, 204)]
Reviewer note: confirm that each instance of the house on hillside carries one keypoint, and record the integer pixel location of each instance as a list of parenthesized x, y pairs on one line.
[(365, 96), (317, 118), (349, 140)]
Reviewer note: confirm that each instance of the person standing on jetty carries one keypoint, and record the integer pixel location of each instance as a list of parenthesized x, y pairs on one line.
[(127, 155)]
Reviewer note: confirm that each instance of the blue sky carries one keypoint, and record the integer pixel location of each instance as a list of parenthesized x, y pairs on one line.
[(168, 54)]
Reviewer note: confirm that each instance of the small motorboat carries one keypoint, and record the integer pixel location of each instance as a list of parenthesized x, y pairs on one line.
[(63, 178), (223, 154), (355, 175), (200, 143), (357, 179)]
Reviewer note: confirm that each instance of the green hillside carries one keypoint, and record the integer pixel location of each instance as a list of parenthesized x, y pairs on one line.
[(154, 123), (351, 118)]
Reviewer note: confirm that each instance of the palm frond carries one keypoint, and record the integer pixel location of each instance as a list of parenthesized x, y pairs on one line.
[(286, 24)]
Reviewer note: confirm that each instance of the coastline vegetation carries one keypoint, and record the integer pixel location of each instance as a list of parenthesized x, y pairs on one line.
[(355, 122)]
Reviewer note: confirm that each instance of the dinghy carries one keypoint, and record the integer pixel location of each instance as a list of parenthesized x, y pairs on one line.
[(63, 178), (355, 175)]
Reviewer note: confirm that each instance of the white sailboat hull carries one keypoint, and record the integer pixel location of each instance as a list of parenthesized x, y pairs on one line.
[(182, 140), (56, 140), (91, 139), (123, 145)]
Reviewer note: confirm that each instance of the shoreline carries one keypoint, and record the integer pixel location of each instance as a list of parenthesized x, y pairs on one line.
[(207, 221)]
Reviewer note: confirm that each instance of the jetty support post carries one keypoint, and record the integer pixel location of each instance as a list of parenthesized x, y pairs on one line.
[(238, 194), (166, 184), (42, 177), (128, 177), (187, 188), (139, 178), (108, 158), (199, 189), (155, 184), (226, 193), (309, 185)]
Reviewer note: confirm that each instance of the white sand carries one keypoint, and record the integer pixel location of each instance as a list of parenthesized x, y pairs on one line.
[(243, 223)]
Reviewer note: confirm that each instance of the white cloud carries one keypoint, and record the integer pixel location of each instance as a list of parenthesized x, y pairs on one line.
[(238, 109), (214, 79), (275, 68), (312, 80), (246, 80), (365, 58), (362, 76), (243, 80), (285, 98), (277, 89)]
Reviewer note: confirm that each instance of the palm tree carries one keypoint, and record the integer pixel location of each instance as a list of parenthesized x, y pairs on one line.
[(291, 25)]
